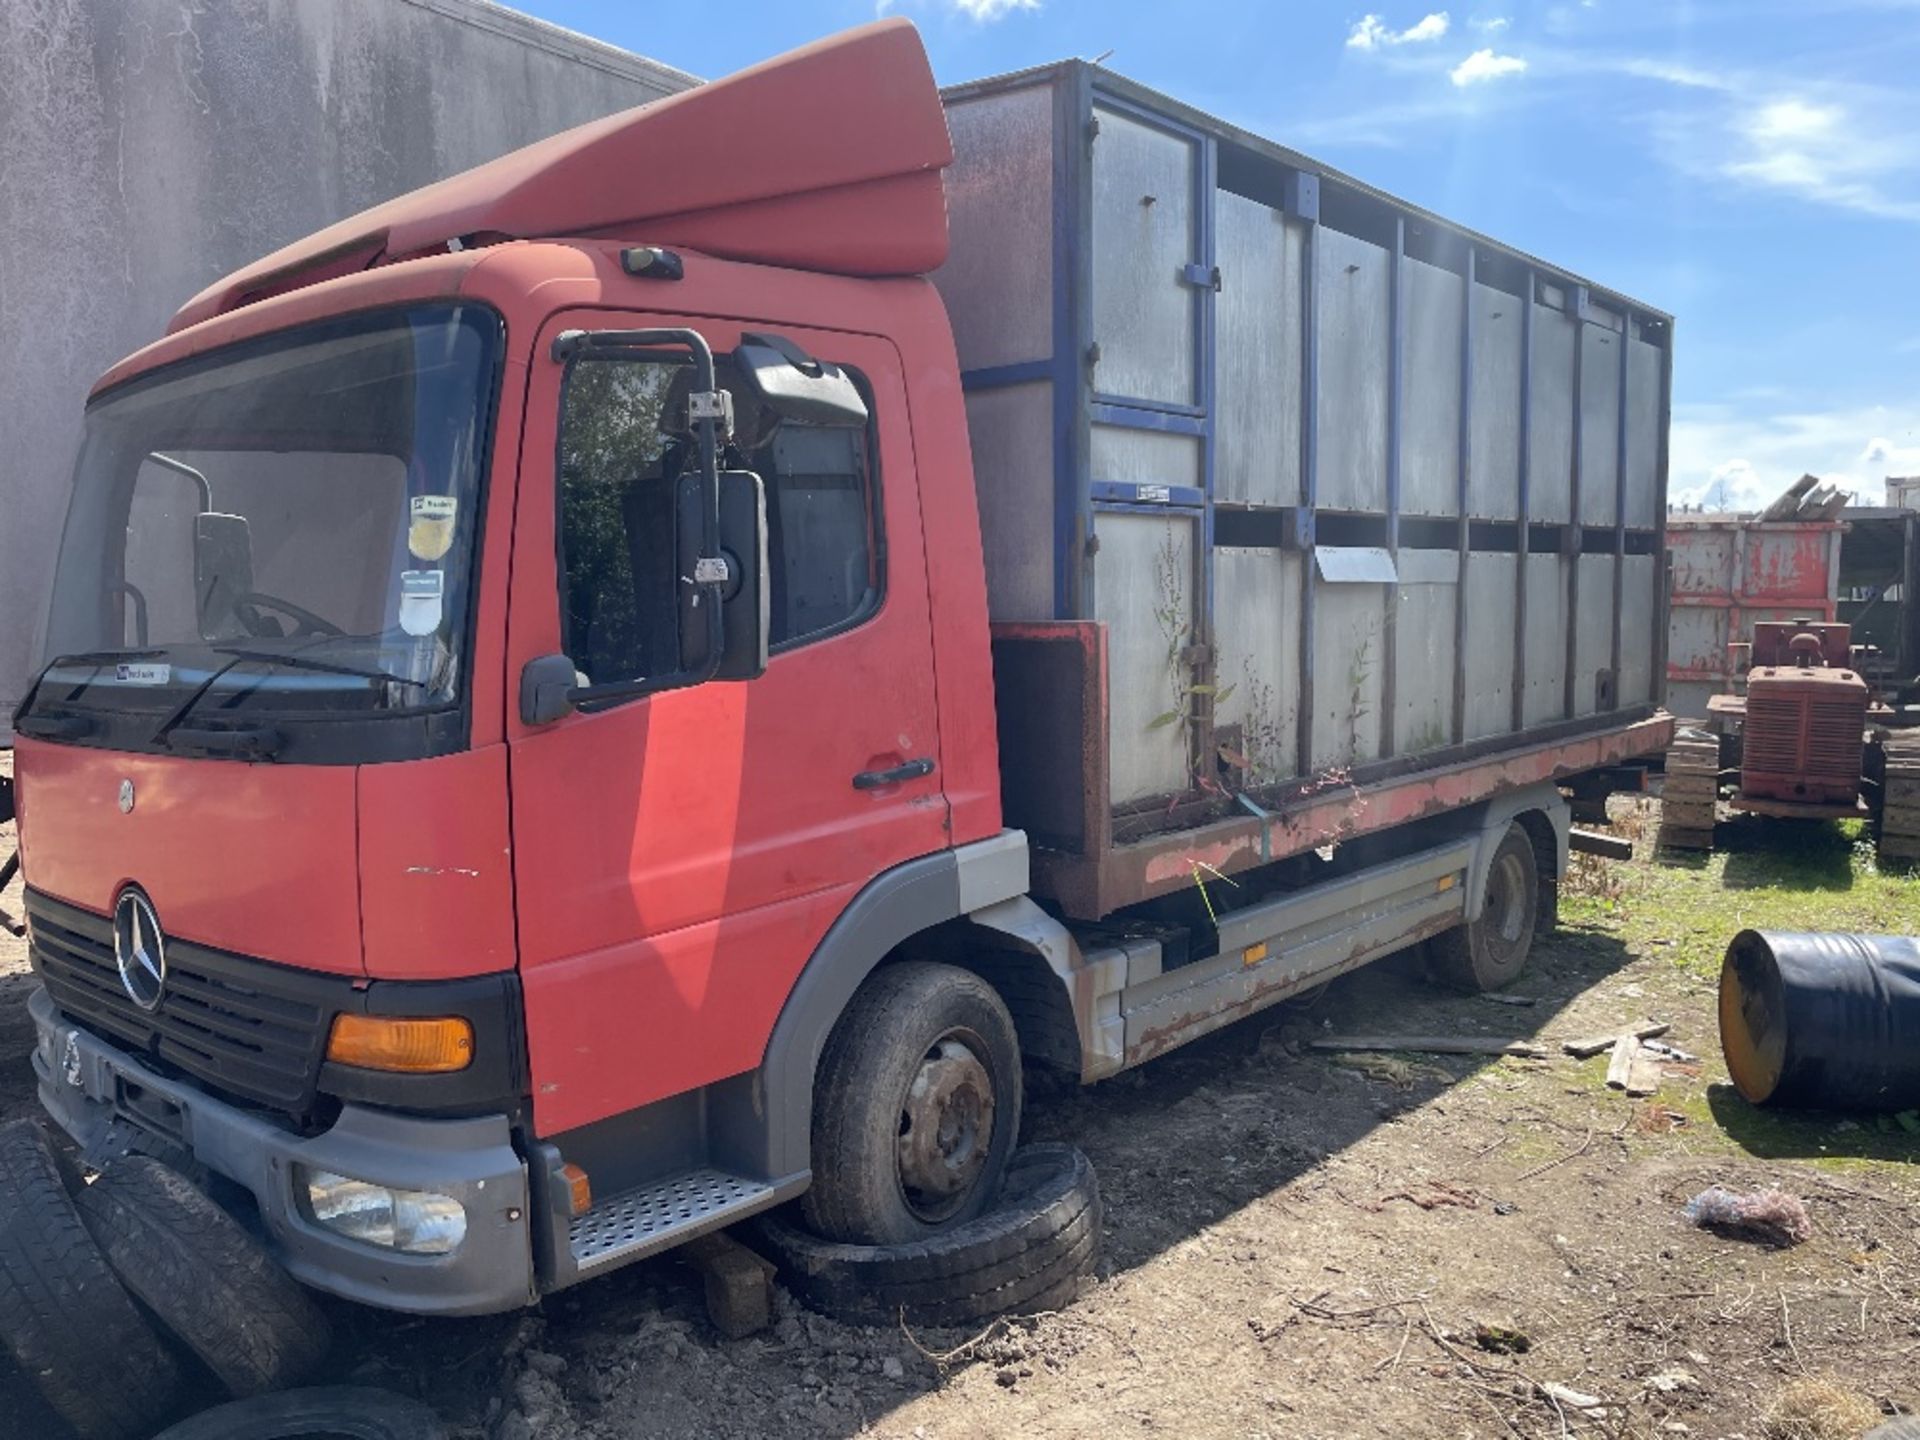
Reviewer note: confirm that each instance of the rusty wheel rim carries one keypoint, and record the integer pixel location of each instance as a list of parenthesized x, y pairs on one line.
[(946, 1126), (1506, 906)]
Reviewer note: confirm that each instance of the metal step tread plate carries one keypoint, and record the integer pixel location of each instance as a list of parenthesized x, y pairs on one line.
[(661, 1214)]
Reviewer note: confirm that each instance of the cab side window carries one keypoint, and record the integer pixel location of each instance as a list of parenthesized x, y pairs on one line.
[(624, 442)]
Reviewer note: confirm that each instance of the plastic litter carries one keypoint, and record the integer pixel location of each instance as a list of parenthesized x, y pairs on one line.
[(1770, 1215)]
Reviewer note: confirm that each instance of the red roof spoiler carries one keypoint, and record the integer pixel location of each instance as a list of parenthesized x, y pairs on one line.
[(826, 158)]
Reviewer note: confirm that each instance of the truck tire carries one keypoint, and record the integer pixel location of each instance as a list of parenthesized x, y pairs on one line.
[(1026, 1253), (72, 1329), (916, 1108), (209, 1282), (1490, 952), (324, 1412)]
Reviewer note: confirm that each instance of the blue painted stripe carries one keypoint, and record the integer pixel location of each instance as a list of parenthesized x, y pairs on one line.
[(1150, 407), (1105, 412), (994, 377)]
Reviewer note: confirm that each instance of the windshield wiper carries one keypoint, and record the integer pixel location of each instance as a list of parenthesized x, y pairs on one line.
[(253, 741), (325, 667)]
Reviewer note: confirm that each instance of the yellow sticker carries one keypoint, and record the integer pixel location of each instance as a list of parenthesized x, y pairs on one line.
[(430, 526)]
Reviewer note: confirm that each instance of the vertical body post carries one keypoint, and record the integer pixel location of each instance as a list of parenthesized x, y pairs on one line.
[(1570, 539), (1522, 541), (1463, 489), (1396, 375)]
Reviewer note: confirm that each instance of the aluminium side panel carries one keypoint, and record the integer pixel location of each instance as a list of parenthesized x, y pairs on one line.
[(1256, 714), (1488, 656), (1592, 630), (1258, 353), (1599, 430), (998, 281), (1493, 481), (1423, 652), (1144, 235), (1351, 278), (1145, 592), (1550, 423), (1011, 430), (1430, 390)]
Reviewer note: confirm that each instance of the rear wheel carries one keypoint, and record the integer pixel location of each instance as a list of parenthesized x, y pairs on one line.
[(916, 1108), (1490, 952)]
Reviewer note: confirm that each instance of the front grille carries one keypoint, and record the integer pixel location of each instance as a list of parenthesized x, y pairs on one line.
[(248, 1029)]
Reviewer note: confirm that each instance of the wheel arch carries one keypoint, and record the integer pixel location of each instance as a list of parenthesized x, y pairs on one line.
[(1543, 813), (893, 913)]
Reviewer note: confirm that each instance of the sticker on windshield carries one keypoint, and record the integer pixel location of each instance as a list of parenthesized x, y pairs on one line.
[(420, 592), (143, 674), (430, 525)]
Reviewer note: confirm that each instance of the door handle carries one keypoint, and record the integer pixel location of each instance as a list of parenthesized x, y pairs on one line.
[(911, 770)]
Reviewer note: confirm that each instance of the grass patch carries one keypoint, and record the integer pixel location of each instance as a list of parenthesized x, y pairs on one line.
[(1676, 912)]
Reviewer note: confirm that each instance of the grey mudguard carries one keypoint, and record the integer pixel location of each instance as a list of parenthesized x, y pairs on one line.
[(894, 907), (1494, 823)]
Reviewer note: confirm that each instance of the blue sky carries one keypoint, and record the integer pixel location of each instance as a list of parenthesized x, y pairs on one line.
[(1752, 166)]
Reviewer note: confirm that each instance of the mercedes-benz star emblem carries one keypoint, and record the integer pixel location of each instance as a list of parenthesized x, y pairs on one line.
[(139, 949), (126, 797)]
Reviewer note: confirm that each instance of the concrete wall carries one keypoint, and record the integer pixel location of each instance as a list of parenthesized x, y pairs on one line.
[(148, 147)]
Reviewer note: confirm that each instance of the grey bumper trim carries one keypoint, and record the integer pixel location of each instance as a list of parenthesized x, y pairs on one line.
[(85, 1084)]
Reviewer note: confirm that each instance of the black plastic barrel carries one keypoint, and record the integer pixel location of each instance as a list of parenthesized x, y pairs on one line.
[(1822, 1020)]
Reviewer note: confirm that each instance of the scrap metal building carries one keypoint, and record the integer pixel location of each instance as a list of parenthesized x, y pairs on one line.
[(148, 147)]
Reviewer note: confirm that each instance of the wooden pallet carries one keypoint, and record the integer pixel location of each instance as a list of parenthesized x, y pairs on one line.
[(1900, 802), (1689, 797)]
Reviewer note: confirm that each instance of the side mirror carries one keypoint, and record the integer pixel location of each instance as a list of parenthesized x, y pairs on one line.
[(745, 593), (546, 689), (222, 573), (795, 386)]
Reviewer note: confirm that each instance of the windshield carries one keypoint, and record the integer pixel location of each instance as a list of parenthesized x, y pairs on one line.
[(282, 531)]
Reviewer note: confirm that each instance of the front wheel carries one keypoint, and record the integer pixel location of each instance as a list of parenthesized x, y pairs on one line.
[(1490, 952), (916, 1107)]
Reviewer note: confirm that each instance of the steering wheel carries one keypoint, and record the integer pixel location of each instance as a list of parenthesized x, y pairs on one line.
[(247, 605)]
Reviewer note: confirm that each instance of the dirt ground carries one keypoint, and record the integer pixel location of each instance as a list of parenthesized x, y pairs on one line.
[(1307, 1244)]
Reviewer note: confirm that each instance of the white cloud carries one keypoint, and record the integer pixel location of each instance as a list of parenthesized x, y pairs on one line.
[(982, 11), (1372, 32), (1728, 457), (1492, 25), (1483, 65)]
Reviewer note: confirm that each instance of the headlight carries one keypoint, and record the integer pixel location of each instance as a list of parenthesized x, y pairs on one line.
[(418, 1222)]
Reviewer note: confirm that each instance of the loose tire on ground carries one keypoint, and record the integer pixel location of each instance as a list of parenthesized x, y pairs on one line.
[(209, 1282), (1490, 952), (74, 1331), (916, 1107), (1026, 1253), (324, 1412)]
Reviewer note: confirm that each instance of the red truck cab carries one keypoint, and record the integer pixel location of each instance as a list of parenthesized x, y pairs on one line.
[(284, 778)]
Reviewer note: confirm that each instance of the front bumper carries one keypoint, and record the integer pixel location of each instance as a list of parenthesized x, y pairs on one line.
[(89, 1088)]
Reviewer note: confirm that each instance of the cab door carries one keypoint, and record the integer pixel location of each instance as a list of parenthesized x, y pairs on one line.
[(678, 857)]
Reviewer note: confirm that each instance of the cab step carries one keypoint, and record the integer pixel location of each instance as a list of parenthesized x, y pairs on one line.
[(661, 1214)]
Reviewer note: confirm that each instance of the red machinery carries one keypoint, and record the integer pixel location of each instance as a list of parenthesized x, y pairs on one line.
[(1800, 743), (1806, 717)]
